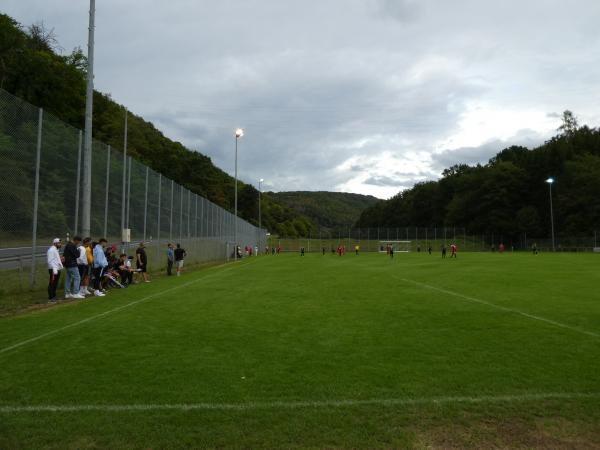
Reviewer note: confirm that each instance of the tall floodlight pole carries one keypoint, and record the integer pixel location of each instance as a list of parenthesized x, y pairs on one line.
[(238, 134), (86, 209), (550, 182), (124, 181), (260, 182)]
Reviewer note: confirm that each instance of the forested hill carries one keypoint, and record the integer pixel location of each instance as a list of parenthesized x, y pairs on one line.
[(332, 210), (30, 68), (509, 195)]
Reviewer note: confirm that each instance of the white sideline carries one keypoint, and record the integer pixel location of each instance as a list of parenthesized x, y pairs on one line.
[(301, 404), (504, 308), (105, 313)]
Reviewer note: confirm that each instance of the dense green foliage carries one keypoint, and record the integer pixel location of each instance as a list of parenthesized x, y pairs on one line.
[(330, 210), (509, 194), (31, 69), (450, 356)]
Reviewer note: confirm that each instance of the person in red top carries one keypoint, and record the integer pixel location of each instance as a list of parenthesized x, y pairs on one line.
[(501, 248), (454, 250)]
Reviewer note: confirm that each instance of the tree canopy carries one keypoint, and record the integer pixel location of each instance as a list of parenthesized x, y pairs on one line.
[(508, 195)]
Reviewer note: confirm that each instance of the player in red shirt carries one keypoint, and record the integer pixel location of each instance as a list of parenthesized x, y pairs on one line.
[(454, 250)]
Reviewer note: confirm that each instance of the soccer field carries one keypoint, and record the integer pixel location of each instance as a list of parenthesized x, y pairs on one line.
[(487, 350)]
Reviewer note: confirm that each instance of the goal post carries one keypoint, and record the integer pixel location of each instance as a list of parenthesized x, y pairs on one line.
[(398, 246)]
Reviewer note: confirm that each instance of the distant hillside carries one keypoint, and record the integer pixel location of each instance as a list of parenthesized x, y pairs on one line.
[(331, 210), (33, 71), (509, 196)]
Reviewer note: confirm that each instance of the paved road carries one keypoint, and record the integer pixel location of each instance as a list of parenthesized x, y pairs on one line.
[(9, 257)]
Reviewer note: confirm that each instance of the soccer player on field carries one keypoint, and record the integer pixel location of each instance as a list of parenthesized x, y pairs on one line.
[(391, 251), (454, 250), (443, 251)]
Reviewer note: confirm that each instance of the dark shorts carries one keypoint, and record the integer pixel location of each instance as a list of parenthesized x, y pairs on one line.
[(84, 270), (141, 268)]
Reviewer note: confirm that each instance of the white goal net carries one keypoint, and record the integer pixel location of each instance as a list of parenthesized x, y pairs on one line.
[(397, 246)]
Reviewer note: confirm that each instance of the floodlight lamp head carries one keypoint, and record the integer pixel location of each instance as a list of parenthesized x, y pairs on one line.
[(261, 180), (550, 180), (239, 133)]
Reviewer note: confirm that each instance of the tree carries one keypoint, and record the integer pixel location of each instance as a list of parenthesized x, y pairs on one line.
[(528, 220), (42, 39), (569, 124)]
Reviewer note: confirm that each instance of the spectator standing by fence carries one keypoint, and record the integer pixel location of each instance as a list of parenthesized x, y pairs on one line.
[(170, 259), (180, 255), (100, 265), (82, 266), (54, 267), (72, 280), (142, 261)]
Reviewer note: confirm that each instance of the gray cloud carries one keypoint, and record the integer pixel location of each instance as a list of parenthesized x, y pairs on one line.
[(483, 153), (337, 95), (402, 10)]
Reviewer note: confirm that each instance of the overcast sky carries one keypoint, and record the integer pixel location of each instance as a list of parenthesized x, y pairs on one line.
[(366, 96)]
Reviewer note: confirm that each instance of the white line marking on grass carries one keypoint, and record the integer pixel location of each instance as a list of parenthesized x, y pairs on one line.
[(504, 308), (106, 313), (302, 404)]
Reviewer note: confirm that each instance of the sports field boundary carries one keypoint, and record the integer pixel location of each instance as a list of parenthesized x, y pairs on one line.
[(229, 266), (504, 308), (275, 405)]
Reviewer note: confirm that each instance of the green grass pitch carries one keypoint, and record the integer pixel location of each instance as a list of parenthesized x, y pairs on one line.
[(484, 351)]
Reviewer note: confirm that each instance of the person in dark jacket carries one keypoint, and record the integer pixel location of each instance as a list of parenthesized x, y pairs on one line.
[(142, 261), (180, 255), (170, 258), (73, 279)]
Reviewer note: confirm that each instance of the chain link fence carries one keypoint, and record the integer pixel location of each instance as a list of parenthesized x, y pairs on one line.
[(417, 239), (41, 194)]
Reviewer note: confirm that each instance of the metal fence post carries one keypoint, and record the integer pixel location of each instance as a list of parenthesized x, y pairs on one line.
[(171, 213), (202, 200), (38, 155), (181, 214), (128, 191), (189, 212), (146, 202), (107, 182), (158, 221), (206, 213), (77, 186), (196, 217)]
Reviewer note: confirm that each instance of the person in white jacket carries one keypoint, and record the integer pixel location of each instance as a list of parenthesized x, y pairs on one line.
[(54, 267)]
